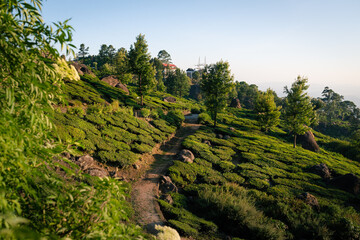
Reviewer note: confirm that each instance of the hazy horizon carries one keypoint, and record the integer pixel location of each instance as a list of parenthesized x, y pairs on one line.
[(266, 43)]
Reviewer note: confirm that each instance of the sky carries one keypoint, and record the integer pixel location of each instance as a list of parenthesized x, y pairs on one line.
[(266, 42)]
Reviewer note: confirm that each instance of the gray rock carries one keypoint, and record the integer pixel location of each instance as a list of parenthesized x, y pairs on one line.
[(186, 155), (310, 200), (226, 137), (207, 142), (169, 99), (348, 182), (321, 170), (166, 185)]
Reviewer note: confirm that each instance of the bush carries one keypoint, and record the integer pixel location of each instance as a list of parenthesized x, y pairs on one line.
[(175, 118), (205, 118), (78, 111), (145, 112), (154, 114), (195, 110)]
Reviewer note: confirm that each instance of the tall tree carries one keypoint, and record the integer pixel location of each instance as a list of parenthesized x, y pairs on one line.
[(164, 57), (121, 63), (267, 112), (139, 62), (178, 83), (299, 112), (83, 51), (215, 84)]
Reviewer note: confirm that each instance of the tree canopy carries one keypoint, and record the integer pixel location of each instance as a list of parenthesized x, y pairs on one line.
[(299, 112), (139, 62), (267, 113), (215, 84), (164, 57)]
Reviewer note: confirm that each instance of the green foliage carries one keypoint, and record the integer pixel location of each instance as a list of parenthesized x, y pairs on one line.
[(204, 118), (177, 83), (175, 118), (299, 113), (139, 62), (268, 113), (216, 84), (145, 112), (247, 94)]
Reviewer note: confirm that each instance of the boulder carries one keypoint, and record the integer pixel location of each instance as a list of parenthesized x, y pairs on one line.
[(167, 198), (166, 185), (170, 99), (348, 182), (186, 156), (82, 68), (123, 87), (90, 166), (321, 170), (309, 199), (235, 103), (219, 136), (111, 80), (308, 142), (231, 129)]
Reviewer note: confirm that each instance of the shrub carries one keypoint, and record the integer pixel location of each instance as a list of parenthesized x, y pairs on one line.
[(122, 158), (141, 148), (233, 177), (205, 118), (78, 111), (145, 112), (154, 114), (195, 110), (95, 108), (175, 117), (166, 233)]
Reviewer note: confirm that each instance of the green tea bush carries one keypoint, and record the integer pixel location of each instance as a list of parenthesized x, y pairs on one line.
[(175, 117), (145, 112), (141, 148), (78, 111), (205, 119)]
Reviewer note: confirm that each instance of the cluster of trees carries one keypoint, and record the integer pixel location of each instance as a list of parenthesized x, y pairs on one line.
[(298, 111), (136, 66)]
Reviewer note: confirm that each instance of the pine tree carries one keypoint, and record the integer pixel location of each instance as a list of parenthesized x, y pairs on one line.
[(216, 84), (83, 51), (268, 113), (299, 112), (139, 61)]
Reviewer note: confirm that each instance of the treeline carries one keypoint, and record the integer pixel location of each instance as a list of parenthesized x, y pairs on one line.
[(136, 66)]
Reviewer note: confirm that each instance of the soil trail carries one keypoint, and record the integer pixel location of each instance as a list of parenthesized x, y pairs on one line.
[(145, 190)]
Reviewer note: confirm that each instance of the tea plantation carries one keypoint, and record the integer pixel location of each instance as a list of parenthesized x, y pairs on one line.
[(246, 184)]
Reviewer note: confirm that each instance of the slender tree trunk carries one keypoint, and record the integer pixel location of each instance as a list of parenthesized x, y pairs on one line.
[(295, 140)]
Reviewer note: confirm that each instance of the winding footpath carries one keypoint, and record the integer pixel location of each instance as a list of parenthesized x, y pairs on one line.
[(145, 190)]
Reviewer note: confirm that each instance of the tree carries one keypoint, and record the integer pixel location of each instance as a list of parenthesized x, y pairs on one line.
[(139, 62), (215, 84), (28, 88), (268, 113), (178, 83), (121, 63), (83, 51), (299, 112), (160, 74), (247, 94), (164, 57)]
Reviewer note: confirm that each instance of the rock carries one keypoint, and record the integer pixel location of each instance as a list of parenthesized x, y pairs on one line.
[(166, 233), (219, 136), (170, 99), (321, 170), (235, 103), (111, 80), (167, 198), (226, 137), (348, 182), (90, 166), (186, 156), (123, 87), (136, 166), (97, 172), (308, 142), (82, 68), (231, 129), (310, 200), (166, 185), (207, 142)]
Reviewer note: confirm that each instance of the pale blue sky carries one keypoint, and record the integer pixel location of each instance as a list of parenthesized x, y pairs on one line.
[(267, 42)]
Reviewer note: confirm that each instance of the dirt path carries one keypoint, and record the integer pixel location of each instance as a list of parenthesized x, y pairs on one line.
[(145, 190)]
